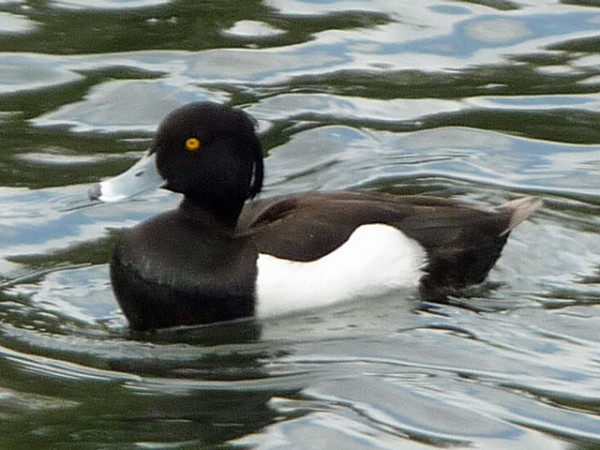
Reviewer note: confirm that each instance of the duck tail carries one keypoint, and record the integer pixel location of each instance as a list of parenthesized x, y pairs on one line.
[(520, 210)]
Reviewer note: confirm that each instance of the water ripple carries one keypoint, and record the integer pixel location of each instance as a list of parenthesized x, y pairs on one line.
[(481, 101)]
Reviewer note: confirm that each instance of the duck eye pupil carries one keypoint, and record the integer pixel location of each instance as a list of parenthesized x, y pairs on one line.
[(192, 144)]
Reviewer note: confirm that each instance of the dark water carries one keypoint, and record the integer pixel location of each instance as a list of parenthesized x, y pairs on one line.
[(476, 100)]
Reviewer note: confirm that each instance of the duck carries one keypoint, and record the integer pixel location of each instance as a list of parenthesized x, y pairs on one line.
[(223, 254)]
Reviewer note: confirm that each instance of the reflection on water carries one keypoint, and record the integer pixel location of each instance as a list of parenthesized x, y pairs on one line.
[(481, 101), (126, 105)]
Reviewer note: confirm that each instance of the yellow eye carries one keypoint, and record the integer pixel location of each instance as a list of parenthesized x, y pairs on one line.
[(192, 144)]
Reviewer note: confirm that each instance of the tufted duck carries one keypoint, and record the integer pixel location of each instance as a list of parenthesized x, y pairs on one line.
[(220, 257)]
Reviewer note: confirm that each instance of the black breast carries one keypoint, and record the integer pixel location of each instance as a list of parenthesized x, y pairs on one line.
[(170, 271)]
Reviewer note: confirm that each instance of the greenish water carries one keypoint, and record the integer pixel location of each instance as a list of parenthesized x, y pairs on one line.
[(480, 101)]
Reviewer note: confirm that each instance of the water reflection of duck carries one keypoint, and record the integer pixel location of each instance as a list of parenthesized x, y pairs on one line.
[(219, 258)]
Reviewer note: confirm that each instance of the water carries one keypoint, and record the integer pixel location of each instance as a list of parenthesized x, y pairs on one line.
[(480, 101)]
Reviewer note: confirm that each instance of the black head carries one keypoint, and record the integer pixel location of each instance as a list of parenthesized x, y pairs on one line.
[(210, 153)]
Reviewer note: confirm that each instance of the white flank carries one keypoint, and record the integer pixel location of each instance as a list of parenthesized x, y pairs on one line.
[(376, 261)]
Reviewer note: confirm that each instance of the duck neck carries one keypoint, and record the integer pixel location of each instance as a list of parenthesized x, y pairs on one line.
[(217, 217)]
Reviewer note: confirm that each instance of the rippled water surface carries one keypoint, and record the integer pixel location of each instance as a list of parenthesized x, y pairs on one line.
[(481, 101)]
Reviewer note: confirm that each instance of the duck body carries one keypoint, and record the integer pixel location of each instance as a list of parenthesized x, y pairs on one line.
[(222, 256)]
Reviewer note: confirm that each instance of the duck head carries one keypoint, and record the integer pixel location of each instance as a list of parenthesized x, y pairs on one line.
[(208, 152)]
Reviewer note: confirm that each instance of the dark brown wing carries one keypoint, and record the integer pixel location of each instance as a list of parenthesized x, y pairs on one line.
[(462, 243)]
